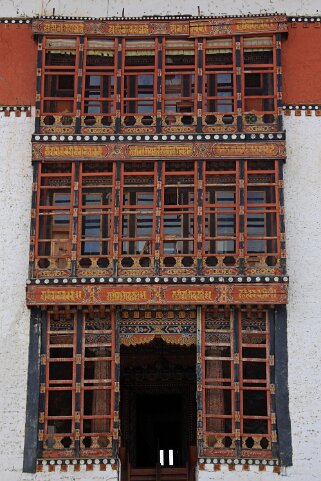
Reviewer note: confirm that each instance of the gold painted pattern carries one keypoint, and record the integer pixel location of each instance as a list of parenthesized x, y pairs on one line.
[(160, 150), (73, 151), (127, 296), (63, 27), (191, 295), (61, 295)]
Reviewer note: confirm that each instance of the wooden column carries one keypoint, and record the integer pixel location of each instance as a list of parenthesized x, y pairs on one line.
[(116, 317), (159, 86), (199, 224), (199, 84), (79, 85), (199, 379), (158, 217), (235, 313), (74, 226), (240, 175), (116, 218), (279, 81), (38, 82), (42, 386), (282, 218), (35, 189), (118, 87), (238, 66)]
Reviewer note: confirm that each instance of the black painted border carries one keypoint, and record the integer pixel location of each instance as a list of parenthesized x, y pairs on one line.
[(283, 421), (33, 387)]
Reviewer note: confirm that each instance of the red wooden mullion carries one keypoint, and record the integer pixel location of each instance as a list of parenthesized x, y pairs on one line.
[(260, 68), (214, 69), (99, 70), (59, 70), (258, 381), (106, 209)]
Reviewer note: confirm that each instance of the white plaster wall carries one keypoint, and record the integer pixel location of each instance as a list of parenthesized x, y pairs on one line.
[(15, 200), (303, 227), (104, 8), (83, 475)]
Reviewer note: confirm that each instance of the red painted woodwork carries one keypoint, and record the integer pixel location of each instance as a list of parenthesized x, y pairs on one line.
[(301, 60), (157, 294), (18, 53), (136, 237), (158, 474), (236, 364), (138, 91), (96, 361)]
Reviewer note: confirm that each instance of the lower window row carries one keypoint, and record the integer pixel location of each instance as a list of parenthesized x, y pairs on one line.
[(79, 388)]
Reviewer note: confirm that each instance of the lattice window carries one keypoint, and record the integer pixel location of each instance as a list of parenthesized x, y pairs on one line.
[(139, 79), (84, 214), (96, 200), (221, 205), (179, 82), (99, 82), (259, 79), (219, 84), (237, 412), (79, 384), (151, 70), (179, 214), (54, 209), (138, 215), (261, 207), (59, 80)]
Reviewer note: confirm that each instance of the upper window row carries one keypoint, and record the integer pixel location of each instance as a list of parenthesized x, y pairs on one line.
[(140, 81)]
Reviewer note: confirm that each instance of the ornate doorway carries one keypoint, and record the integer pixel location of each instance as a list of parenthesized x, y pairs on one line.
[(158, 409)]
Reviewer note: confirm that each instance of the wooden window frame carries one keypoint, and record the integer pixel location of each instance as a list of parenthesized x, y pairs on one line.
[(77, 438), (215, 209), (179, 210), (215, 70), (106, 211), (238, 441), (101, 118), (267, 208), (259, 69), (134, 119), (172, 118), (142, 259), (185, 107), (56, 439), (58, 70), (157, 210), (98, 384), (51, 210)]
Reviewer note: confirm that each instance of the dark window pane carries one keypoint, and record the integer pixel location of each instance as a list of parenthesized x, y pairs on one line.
[(60, 403)]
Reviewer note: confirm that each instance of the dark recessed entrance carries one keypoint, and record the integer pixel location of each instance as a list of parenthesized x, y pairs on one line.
[(158, 411), (159, 430)]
